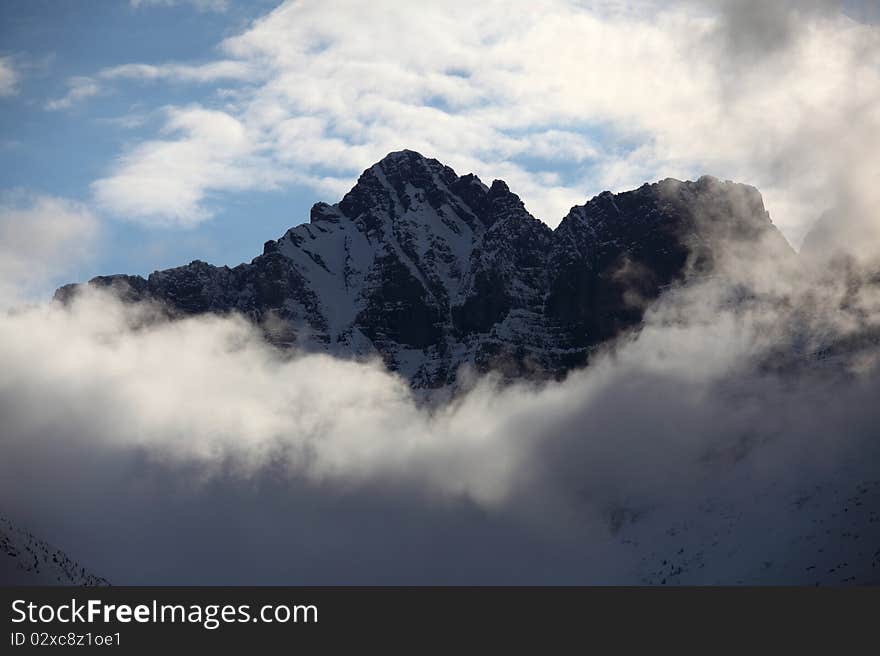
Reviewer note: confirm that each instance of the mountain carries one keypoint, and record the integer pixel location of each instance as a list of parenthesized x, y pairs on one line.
[(27, 560), (432, 271)]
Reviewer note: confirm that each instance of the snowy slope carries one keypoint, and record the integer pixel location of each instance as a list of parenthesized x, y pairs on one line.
[(824, 533), (27, 560)]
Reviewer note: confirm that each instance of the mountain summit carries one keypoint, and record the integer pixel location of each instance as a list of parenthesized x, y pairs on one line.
[(431, 270)]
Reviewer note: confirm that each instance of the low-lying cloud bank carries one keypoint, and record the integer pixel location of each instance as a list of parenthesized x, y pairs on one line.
[(192, 451), (41, 237)]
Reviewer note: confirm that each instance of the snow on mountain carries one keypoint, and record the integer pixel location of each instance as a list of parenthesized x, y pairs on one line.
[(822, 532), (432, 271), (27, 560)]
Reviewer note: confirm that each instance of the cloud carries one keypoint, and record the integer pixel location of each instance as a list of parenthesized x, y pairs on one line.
[(755, 29), (9, 77), (200, 5), (210, 72), (562, 100), (168, 180), (192, 451), (79, 89), (41, 237)]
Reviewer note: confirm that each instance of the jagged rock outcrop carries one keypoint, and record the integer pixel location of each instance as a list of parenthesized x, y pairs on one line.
[(432, 271)]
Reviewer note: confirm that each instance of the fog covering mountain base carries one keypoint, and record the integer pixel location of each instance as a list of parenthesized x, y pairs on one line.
[(724, 430)]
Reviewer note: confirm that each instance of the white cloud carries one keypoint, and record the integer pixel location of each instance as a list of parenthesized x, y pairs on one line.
[(604, 96), (41, 238), (80, 88), (200, 5), (211, 72), (168, 180), (130, 416), (9, 77)]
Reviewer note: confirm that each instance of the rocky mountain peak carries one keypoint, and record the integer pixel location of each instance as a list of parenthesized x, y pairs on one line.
[(433, 271)]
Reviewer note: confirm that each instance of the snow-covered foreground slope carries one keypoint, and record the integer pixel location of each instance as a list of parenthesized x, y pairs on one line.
[(827, 533), (27, 560)]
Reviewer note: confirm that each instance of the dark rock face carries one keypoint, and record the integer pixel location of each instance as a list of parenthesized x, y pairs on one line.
[(432, 271), (401, 310), (617, 252)]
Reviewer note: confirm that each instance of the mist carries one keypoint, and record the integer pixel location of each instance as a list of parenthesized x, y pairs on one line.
[(192, 451)]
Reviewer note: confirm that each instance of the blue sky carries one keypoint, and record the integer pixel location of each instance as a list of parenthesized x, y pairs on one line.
[(61, 152), (171, 130)]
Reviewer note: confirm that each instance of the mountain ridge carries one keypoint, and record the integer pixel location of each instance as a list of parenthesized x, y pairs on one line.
[(432, 271), (28, 560)]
